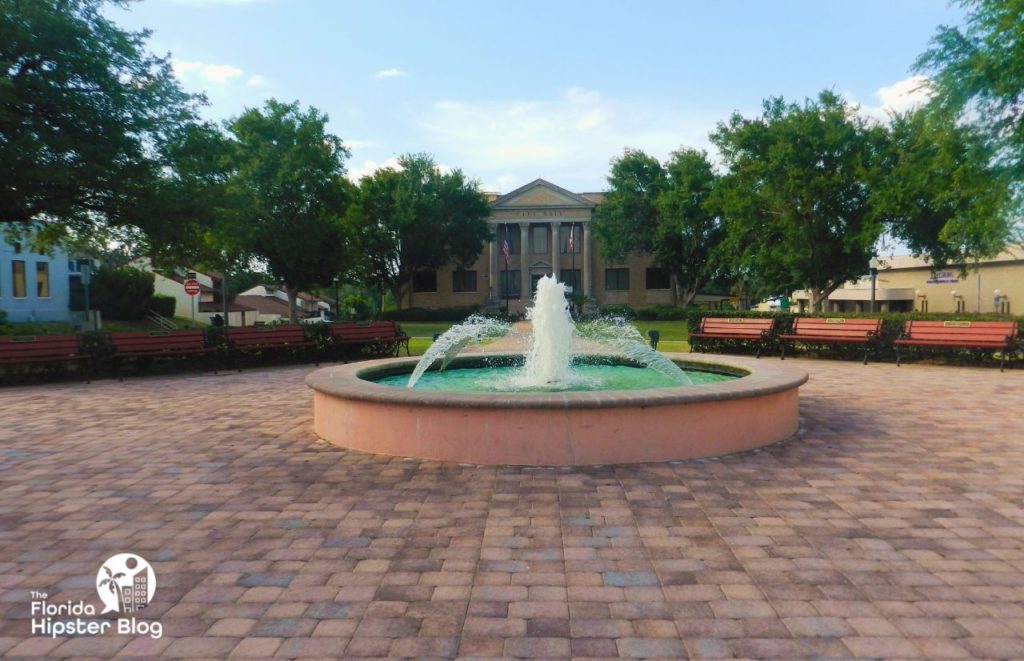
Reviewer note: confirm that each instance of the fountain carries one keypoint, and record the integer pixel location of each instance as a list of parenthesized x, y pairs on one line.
[(589, 394)]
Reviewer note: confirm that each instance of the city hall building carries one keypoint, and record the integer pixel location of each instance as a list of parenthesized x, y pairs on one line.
[(547, 230)]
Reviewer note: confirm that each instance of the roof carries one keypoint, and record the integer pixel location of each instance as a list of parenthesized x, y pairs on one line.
[(1012, 253), (219, 307), (542, 183), (264, 304)]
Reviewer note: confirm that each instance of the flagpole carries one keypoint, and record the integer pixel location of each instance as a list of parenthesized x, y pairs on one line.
[(572, 243)]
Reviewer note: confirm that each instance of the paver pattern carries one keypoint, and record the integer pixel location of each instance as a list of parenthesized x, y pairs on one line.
[(891, 527)]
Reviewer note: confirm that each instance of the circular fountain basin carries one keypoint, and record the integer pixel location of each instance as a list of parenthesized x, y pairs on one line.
[(557, 428)]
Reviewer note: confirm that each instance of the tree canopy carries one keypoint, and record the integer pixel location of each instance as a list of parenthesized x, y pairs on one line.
[(88, 120), (664, 211), (936, 189), (796, 195), (417, 218), (290, 195), (978, 73)]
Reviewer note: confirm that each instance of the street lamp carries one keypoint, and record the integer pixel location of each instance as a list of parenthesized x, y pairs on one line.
[(873, 266), (959, 299), (86, 270)]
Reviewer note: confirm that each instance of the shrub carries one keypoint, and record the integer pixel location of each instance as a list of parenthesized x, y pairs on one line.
[(425, 314), (355, 307), (162, 305), (122, 293), (623, 311), (662, 313)]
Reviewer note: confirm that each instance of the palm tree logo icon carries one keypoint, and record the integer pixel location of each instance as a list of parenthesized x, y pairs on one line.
[(125, 583)]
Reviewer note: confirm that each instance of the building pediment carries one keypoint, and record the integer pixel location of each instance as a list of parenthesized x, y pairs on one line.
[(541, 194)]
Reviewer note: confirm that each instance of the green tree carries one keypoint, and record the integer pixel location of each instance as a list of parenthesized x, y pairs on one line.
[(796, 197), (937, 191), (417, 218), (664, 211), (978, 73), (290, 195), (87, 118)]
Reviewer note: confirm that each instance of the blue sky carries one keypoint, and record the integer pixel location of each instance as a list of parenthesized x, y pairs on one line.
[(512, 91)]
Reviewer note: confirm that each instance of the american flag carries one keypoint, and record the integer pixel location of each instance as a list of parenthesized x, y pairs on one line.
[(505, 250)]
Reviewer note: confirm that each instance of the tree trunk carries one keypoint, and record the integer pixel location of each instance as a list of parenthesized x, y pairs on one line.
[(293, 303)]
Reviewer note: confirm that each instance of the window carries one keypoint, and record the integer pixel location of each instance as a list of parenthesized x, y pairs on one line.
[(43, 279), (509, 233), (577, 238), (540, 239), (424, 282), (616, 279), (658, 278), (18, 278), (510, 284), (571, 277), (463, 281)]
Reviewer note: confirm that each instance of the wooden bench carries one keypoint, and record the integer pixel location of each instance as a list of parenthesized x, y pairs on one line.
[(171, 344), (834, 330), (982, 335), (379, 337), (741, 329), (259, 339), (43, 350)]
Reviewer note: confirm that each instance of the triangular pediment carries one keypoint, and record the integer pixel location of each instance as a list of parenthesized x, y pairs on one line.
[(543, 195)]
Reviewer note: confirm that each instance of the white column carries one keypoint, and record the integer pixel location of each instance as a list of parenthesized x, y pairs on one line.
[(588, 259), (553, 228), (524, 263), (494, 293)]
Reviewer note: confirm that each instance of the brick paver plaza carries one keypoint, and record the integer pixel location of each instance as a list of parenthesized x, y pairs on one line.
[(891, 527)]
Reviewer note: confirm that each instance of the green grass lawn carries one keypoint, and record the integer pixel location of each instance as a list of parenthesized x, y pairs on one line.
[(674, 334)]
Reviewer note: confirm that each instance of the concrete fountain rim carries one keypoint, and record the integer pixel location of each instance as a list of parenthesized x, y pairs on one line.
[(758, 378)]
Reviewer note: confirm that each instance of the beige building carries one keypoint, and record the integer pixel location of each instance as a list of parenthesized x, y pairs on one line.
[(905, 283), (536, 221)]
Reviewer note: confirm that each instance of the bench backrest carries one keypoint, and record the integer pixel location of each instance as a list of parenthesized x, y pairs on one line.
[(377, 330), (837, 327), (168, 340), (247, 336), (959, 331), (752, 327), (39, 346)]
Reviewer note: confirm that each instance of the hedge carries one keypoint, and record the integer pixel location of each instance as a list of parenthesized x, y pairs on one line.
[(162, 305), (429, 314)]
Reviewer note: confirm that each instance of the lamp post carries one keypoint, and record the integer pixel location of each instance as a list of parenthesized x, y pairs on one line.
[(873, 266), (86, 280)]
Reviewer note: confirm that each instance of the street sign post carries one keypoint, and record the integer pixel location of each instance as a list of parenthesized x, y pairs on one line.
[(192, 288)]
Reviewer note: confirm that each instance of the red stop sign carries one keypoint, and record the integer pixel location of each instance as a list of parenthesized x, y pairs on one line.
[(191, 286)]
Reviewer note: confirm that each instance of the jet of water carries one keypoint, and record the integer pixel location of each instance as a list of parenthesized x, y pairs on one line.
[(476, 328), (625, 340)]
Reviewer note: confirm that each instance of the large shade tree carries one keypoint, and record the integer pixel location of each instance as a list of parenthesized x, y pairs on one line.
[(796, 195), (977, 72), (88, 124), (417, 218), (938, 191), (665, 211), (288, 195)]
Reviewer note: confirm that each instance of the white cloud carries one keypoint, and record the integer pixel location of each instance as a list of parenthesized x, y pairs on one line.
[(370, 166), (257, 80), (391, 73), (900, 97), (211, 73), (569, 139), (218, 2)]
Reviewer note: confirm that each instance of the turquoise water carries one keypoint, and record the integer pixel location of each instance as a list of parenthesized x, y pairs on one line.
[(587, 377)]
